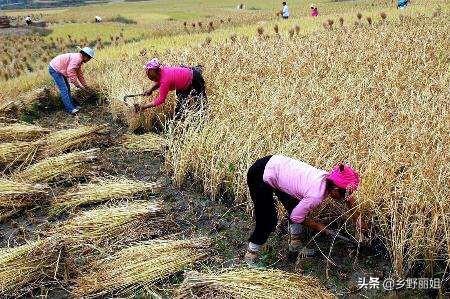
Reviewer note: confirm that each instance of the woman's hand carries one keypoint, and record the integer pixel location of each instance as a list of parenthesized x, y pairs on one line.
[(362, 230), (137, 108), (148, 92)]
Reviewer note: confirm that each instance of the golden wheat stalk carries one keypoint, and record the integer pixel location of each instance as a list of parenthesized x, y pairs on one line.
[(67, 165), (21, 132), (140, 265), (18, 194), (60, 141), (122, 223), (252, 284), (24, 267), (149, 142), (18, 151), (108, 189), (402, 155)]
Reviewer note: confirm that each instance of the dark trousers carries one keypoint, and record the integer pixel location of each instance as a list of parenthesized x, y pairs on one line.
[(263, 202), (193, 97)]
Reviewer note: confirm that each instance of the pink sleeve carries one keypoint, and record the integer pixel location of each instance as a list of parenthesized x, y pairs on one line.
[(80, 77), (306, 205), (163, 91), (72, 70)]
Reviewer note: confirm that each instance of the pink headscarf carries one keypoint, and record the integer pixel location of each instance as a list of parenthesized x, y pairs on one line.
[(344, 176), (152, 64)]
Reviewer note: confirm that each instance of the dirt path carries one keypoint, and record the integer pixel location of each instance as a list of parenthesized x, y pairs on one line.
[(226, 223)]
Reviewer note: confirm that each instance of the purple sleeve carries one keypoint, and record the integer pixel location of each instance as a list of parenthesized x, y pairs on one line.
[(163, 91), (301, 211)]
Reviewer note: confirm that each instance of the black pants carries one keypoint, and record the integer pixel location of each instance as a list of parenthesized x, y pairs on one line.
[(193, 97), (264, 203)]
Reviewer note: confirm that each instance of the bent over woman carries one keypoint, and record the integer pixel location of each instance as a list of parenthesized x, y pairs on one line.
[(66, 68), (300, 188), (187, 81)]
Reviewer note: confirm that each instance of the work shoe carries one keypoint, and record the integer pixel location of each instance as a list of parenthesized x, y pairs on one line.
[(251, 257)]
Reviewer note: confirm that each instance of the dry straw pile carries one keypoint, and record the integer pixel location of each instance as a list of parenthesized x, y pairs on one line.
[(18, 151), (60, 141), (19, 194), (26, 266), (67, 165), (5, 106), (27, 100), (251, 284), (149, 142), (140, 265), (107, 189), (107, 226), (377, 98), (21, 132)]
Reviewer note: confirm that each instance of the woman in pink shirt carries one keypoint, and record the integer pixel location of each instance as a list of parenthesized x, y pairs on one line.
[(300, 188), (66, 68), (188, 83), (314, 11)]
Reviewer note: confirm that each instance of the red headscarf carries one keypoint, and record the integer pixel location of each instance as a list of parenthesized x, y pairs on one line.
[(344, 176)]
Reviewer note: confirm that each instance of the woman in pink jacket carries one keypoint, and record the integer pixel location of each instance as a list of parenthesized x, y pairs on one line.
[(314, 11), (300, 188), (66, 68), (187, 81)]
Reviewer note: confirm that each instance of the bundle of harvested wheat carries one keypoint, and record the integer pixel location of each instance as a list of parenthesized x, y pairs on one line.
[(21, 132), (6, 107), (118, 224), (24, 267), (101, 191), (252, 284), (27, 100), (70, 165), (18, 151), (92, 95), (60, 141), (140, 265), (149, 142), (18, 194)]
